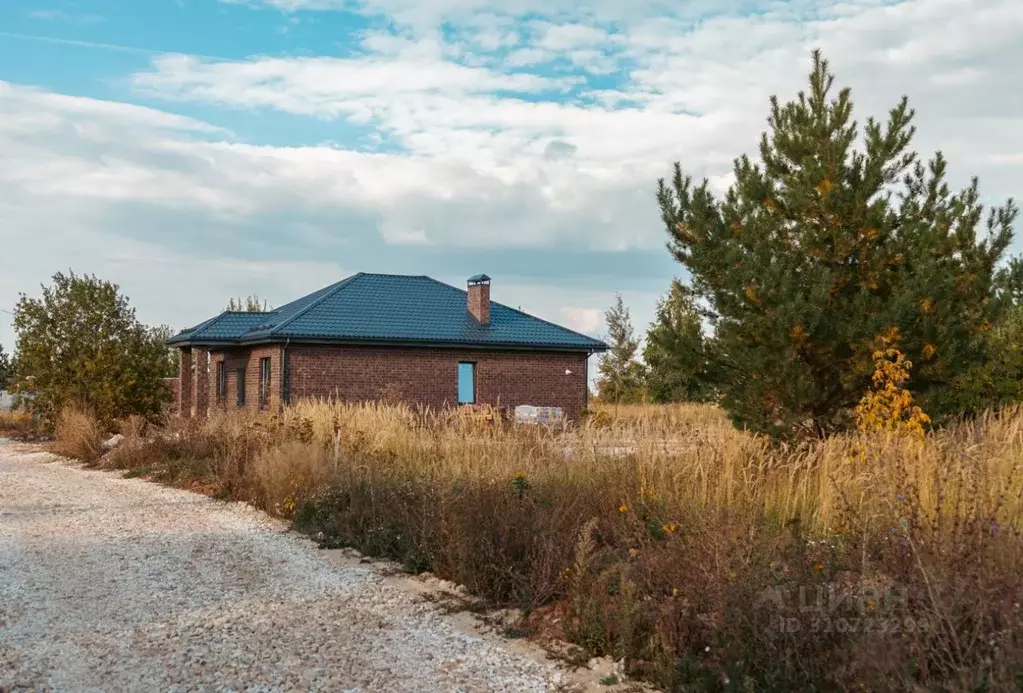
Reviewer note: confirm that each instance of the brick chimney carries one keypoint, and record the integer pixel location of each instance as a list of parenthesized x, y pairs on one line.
[(479, 298)]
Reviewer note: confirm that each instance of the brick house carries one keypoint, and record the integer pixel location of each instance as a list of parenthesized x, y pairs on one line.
[(377, 336)]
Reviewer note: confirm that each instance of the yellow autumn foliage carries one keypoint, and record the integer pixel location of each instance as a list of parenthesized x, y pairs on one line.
[(888, 405)]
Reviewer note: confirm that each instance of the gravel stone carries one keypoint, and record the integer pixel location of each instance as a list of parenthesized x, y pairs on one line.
[(112, 584)]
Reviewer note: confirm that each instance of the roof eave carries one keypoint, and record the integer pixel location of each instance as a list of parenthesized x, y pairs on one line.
[(186, 342), (270, 338)]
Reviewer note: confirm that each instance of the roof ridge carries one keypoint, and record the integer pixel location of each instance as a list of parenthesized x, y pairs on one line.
[(389, 274), (340, 285), (248, 312), (520, 312)]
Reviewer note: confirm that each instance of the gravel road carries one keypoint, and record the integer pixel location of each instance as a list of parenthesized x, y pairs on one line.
[(111, 584)]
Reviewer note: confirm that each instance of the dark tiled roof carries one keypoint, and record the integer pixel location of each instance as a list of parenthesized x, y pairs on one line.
[(227, 326), (389, 309)]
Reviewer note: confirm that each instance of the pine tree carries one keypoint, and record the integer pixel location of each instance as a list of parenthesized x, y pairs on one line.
[(675, 351), (998, 381), (820, 248), (1010, 283), (621, 375)]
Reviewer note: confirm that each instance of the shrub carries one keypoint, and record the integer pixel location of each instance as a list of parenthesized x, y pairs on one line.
[(888, 406)]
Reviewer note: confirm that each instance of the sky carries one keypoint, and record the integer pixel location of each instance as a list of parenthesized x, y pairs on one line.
[(194, 150)]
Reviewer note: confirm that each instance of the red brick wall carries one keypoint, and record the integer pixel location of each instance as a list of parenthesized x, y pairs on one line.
[(248, 361), (185, 380), (175, 387), (415, 375), (430, 376), (200, 381)]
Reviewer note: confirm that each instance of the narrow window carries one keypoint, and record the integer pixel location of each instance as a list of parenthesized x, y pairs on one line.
[(221, 380), (240, 375), (467, 383), (264, 382)]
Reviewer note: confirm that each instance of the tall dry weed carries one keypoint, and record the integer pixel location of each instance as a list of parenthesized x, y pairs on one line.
[(78, 434), (287, 475)]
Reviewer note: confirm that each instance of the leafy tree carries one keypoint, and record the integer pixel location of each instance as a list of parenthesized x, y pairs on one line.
[(820, 248), (80, 342), (6, 368), (675, 350), (173, 355), (620, 377), (249, 304)]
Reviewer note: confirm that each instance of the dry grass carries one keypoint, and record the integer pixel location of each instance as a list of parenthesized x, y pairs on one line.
[(78, 434), (691, 455), (654, 533), (17, 424), (279, 474)]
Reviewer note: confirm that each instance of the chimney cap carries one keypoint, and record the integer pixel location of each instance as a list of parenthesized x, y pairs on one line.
[(479, 279)]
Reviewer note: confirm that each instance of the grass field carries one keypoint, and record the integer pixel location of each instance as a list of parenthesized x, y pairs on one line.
[(707, 558)]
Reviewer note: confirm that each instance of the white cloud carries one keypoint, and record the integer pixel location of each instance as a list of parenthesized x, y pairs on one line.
[(182, 216), (327, 87), (22, 105), (564, 37), (581, 319), (695, 90), (525, 57)]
